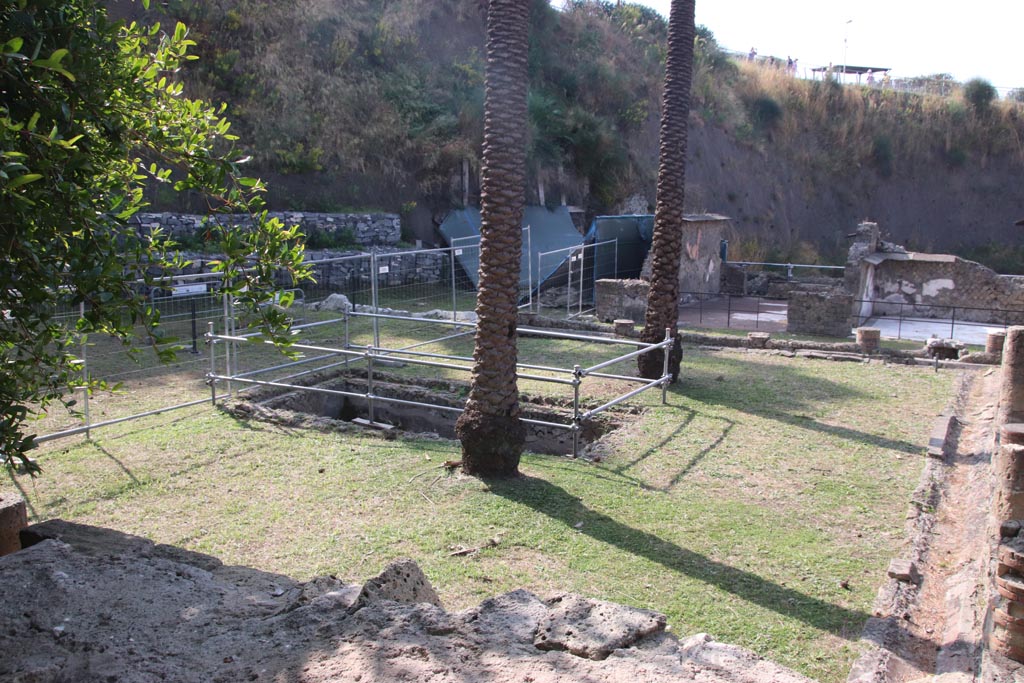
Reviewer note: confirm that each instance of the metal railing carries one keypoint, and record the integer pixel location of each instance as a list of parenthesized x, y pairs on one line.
[(790, 267), (720, 310), (423, 281), (576, 269), (372, 354), (935, 315)]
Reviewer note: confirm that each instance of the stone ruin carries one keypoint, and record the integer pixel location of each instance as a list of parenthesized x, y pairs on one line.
[(885, 279), (89, 604), (700, 272)]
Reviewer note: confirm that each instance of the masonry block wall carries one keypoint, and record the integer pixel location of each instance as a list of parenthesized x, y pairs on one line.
[(620, 300), (366, 229), (931, 289), (820, 313)]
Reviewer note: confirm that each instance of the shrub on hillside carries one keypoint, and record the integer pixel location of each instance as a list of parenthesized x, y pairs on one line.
[(881, 154), (765, 112), (980, 94)]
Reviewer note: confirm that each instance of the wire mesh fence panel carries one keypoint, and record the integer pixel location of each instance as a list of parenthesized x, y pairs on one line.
[(138, 378), (586, 264), (349, 276), (414, 281), (567, 277), (723, 311), (463, 266)]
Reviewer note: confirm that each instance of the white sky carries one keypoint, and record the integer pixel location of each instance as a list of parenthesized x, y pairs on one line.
[(912, 37)]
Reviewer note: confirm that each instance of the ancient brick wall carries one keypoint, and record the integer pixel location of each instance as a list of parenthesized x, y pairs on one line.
[(820, 313), (620, 300)]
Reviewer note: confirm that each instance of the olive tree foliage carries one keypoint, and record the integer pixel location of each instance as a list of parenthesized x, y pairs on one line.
[(90, 112)]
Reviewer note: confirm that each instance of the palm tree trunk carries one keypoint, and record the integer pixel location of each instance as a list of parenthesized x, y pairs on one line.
[(666, 247), (491, 433)]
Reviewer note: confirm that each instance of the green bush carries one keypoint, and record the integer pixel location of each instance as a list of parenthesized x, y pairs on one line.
[(881, 154), (765, 112), (980, 94), (339, 239)]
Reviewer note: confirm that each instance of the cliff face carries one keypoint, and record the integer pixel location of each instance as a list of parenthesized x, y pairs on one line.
[(378, 105), (929, 207)]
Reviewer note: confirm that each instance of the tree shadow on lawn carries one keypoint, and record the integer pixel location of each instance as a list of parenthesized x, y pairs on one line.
[(558, 504), (792, 391), (655, 448)]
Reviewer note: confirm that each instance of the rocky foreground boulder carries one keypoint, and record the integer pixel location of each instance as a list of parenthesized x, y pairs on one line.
[(90, 604)]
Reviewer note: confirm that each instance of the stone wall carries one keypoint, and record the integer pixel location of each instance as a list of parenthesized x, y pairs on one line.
[(931, 289), (700, 266), (338, 271), (734, 280), (366, 229), (620, 299), (820, 313), (349, 272)]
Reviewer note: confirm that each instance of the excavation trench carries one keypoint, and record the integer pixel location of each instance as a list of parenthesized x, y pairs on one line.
[(434, 413)]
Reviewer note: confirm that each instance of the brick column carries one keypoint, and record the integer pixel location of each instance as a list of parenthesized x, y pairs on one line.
[(1011, 394)]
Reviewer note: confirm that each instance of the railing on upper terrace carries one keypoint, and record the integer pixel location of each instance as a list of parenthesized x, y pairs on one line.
[(831, 271)]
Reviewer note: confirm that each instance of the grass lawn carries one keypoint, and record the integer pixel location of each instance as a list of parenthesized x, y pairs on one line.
[(737, 509)]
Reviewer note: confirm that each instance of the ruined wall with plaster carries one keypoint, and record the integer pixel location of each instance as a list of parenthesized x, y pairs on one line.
[(932, 289), (700, 265), (700, 268)]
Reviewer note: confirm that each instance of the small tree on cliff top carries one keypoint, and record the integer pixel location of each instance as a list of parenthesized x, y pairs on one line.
[(90, 111)]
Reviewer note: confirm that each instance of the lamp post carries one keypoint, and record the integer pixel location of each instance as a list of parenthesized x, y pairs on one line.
[(846, 45)]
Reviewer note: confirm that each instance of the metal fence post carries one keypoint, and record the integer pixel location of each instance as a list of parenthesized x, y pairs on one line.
[(210, 341), (664, 370), (583, 262), (85, 375), (899, 325), (373, 295), (529, 268), (568, 289), (577, 378), (227, 347), (195, 347), (728, 310), (952, 323), (369, 386), (455, 304)]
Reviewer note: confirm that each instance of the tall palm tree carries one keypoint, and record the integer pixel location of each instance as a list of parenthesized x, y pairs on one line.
[(667, 244), (490, 431)]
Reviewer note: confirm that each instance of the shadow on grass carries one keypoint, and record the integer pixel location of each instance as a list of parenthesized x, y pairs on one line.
[(22, 492), (116, 461), (655, 448), (558, 504), (781, 395)]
